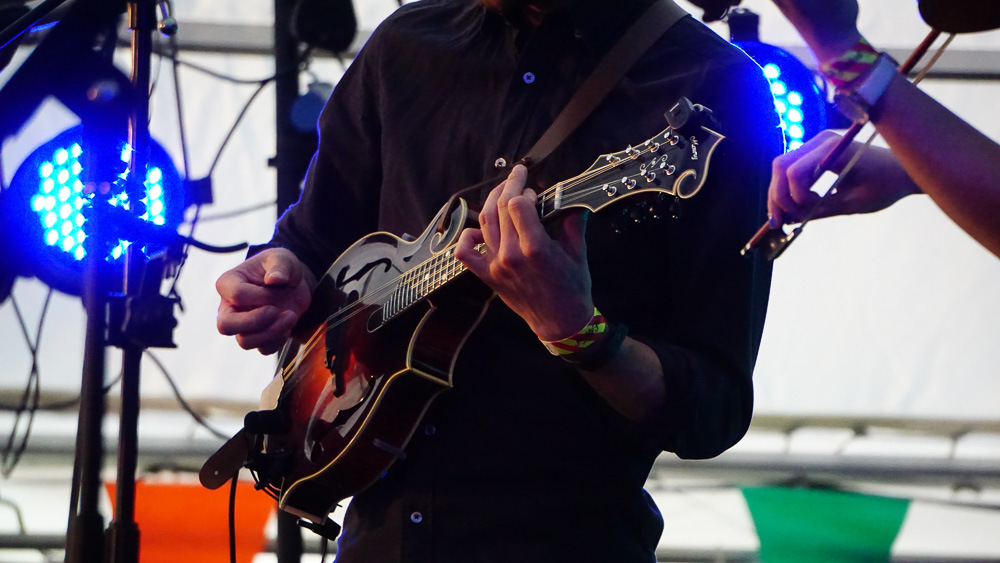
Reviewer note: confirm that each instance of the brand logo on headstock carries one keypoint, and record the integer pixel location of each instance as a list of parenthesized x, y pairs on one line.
[(694, 148)]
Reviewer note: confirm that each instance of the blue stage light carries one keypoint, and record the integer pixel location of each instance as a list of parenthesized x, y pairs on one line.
[(797, 98), (46, 204)]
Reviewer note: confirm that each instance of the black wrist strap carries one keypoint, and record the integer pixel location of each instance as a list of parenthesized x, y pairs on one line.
[(598, 354)]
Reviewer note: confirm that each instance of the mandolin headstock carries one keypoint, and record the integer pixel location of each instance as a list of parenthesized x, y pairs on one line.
[(675, 161)]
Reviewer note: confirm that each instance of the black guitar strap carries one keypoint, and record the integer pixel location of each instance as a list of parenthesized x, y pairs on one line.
[(649, 27), (637, 39)]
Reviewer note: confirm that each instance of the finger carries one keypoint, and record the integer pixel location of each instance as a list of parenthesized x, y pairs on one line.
[(467, 253), (489, 222), (273, 338), (786, 206), (777, 192), (271, 347), (531, 235), (801, 177), (232, 322), (281, 268), (270, 341), (775, 216), (792, 176), (513, 187), (243, 295)]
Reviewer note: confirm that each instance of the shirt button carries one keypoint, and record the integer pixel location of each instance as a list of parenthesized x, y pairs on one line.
[(430, 430), (500, 163), (528, 77), (416, 517)]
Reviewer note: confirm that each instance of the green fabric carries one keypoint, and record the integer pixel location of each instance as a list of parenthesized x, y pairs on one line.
[(803, 525)]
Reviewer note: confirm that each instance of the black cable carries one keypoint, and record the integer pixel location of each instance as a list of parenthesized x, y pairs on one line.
[(18, 515), (154, 81), (303, 58), (30, 399), (182, 132), (219, 75), (237, 212), (57, 406), (215, 249), (67, 403), (180, 399), (190, 240), (232, 518), (239, 118)]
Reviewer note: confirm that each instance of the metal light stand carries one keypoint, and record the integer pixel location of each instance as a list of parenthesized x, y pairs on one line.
[(292, 151), (138, 317), (123, 533), (85, 536), (91, 88)]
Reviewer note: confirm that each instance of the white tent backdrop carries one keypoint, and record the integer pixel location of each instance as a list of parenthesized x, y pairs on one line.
[(893, 315)]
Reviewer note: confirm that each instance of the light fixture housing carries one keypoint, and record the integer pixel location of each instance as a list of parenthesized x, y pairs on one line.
[(797, 98), (47, 215), (800, 104)]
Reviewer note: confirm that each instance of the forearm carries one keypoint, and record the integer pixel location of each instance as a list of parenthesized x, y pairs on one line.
[(631, 382), (951, 161), (948, 159), (678, 399)]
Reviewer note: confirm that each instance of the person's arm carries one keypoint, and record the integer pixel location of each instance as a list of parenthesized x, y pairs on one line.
[(952, 162), (948, 159), (545, 279), (693, 306)]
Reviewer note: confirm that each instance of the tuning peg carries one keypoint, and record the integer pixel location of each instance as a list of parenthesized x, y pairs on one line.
[(680, 114), (685, 117)]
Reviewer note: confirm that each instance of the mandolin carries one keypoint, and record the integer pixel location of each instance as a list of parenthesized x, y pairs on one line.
[(386, 325)]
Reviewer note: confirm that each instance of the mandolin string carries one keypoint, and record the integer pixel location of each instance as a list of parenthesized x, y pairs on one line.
[(448, 260), (551, 193), (448, 255), (353, 309)]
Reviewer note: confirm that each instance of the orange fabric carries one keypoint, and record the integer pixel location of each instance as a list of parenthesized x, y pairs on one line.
[(189, 523)]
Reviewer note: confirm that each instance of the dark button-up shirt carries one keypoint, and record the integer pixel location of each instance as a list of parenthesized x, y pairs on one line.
[(522, 461)]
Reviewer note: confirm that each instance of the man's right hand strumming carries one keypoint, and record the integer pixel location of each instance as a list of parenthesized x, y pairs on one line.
[(263, 298)]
